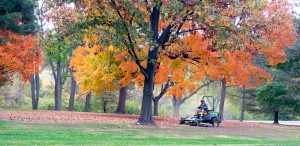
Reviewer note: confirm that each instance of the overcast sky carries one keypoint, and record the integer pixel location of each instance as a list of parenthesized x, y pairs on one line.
[(296, 9)]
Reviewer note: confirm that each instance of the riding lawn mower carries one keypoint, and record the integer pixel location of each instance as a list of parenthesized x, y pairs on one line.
[(206, 119)]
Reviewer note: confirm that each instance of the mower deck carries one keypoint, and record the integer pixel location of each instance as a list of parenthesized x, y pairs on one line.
[(192, 121)]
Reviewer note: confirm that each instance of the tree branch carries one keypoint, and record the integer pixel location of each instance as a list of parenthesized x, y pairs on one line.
[(130, 44), (234, 95), (189, 30), (164, 34), (65, 72), (167, 31), (147, 5), (131, 19), (163, 91), (238, 95), (193, 93), (52, 68)]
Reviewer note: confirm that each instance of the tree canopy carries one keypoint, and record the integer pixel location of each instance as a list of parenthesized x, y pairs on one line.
[(194, 39), (18, 15), (283, 94), (20, 51)]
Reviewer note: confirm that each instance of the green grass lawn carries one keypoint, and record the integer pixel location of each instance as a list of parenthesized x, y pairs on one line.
[(13, 133)]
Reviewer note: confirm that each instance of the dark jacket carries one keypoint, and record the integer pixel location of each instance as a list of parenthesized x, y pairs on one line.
[(203, 106)]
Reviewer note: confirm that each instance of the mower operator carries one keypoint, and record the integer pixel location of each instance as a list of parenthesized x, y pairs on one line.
[(202, 108)]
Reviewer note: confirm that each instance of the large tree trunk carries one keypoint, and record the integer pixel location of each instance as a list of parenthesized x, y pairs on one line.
[(72, 94), (37, 90), (58, 88), (243, 105), (223, 96), (155, 108), (122, 100), (176, 106), (87, 102), (32, 83), (146, 117), (176, 110), (276, 113)]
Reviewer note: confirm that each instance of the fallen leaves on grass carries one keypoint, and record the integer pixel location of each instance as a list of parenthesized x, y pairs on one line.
[(79, 117)]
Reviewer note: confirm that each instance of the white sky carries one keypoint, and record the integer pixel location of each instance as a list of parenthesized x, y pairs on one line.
[(296, 9)]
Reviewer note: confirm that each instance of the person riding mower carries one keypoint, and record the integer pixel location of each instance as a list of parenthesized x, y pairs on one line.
[(201, 110)]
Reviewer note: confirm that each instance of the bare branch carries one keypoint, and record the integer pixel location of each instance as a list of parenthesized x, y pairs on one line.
[(52, 68), (164, 90), (234, 95), (197, 89), (147, 5), (190, 30)]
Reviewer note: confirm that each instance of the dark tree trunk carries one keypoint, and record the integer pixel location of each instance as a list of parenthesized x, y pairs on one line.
[(72, 95), (104, 106), (146, 117), (58, 88), (32, 83), (122, 100), (223, 96), (37, 90), (163, 91), (87, 102), (243, 105), (276, 113), (176, 106), (155, 108)]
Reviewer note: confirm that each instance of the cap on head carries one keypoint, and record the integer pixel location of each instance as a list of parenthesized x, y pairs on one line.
[(202, 101)]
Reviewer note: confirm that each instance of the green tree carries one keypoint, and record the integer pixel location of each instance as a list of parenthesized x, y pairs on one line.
[(18, 15), (271, 99), (59, 43), (284, 92)]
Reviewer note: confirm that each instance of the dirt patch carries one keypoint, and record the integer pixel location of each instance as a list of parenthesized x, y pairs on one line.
[(79, 117)]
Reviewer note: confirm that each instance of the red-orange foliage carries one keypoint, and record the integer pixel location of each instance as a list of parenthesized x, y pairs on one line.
[(213, 46), (270, 34), (18, 54)]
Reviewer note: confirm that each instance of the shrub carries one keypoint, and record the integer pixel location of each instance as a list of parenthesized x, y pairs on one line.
[(133, 107), (165, 110)]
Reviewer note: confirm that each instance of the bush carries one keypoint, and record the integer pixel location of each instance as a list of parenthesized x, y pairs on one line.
[(165, 110), (98, 102), (133, 107), (46, 103), (79, 106), (27, 103)]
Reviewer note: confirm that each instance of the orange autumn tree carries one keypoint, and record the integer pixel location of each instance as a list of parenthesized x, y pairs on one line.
[(96, 70), (18, 54), (275, 27), (99, 69), (235, 65), (162, 26), (234, 62)]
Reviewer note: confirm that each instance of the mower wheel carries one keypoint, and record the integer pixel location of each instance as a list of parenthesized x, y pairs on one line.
[(181, 122), (193, 124), (215, 122)]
